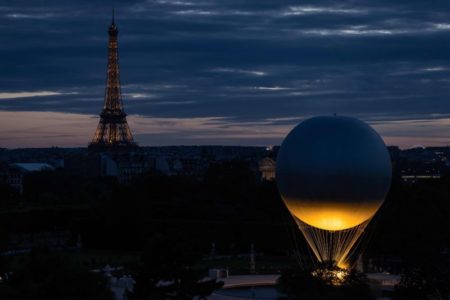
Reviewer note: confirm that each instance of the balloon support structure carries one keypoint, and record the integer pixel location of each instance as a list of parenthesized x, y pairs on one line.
[(332, 246)]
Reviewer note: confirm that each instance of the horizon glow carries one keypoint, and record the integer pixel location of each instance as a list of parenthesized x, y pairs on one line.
[(49, 129)]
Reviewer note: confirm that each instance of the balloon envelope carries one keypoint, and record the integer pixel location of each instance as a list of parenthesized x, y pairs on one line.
[(333, 172)]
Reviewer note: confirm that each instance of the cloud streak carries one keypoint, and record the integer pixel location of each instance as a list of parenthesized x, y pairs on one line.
[(254, 67), (42, 129), (314, 10), (14, 95), (240, 71)]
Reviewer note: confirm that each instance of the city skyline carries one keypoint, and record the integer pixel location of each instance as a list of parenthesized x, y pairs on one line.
[(197, 73)]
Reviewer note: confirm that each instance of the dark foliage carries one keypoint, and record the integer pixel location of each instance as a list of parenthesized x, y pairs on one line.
[(300, 284), (166, 272), (425, 279), (50, 276), (60, 188), (229, 206), (9, 197), (413, 220)]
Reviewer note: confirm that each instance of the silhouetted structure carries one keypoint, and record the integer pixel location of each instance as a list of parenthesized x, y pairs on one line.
[(113, 130)]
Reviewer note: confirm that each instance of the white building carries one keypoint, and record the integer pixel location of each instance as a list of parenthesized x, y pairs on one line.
[(267, 168)]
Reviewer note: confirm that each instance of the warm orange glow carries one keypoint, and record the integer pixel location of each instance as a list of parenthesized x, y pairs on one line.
[(331, 215), (335, 276), (343, 265)]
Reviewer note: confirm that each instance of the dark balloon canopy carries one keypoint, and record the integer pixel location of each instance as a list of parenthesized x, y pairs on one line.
[(333, 172)]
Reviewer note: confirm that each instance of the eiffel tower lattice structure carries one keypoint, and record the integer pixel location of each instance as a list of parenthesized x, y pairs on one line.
[(113, 131)]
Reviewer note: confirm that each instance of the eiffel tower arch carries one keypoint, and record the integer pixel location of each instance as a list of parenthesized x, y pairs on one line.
[(113, 131)]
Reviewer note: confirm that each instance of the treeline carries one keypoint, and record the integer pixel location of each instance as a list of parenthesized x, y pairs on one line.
[(413, 222), (230, 206)]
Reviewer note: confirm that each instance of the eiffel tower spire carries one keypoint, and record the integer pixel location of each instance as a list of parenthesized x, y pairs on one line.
[(112, 130)]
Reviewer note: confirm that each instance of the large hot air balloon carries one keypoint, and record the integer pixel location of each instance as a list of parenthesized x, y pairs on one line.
[(333, 174)]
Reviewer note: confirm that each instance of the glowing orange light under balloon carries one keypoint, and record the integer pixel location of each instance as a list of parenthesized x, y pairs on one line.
[(331, 215)]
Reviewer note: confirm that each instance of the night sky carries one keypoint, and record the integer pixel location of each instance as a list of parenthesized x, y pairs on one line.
[(225, 72)]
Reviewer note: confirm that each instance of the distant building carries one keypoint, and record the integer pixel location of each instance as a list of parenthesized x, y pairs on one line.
[(162, 165), (131, 165), (413, 178), (394, 152), (32, 167), (84, 165), (14, 173), (55, 240), (121, 165), (383, 284), (267, 168)]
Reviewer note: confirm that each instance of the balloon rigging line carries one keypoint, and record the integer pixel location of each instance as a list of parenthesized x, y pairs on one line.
[(332, 246)]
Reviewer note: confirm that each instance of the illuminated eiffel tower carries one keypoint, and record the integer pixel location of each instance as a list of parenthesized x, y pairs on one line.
[(113, 131)]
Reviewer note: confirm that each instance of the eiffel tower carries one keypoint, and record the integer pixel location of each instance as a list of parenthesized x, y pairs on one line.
[(113, 131)]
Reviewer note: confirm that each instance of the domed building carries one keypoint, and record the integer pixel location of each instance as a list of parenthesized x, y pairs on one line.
[(267, 168)]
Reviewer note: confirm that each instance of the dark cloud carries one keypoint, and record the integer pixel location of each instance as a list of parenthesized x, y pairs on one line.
[(244, 60)]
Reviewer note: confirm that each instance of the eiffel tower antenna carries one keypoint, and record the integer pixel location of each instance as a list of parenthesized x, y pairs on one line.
[(112, 130), (112, 21)]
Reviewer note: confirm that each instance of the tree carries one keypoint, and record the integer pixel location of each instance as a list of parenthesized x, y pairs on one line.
[(9, 197), (166, 272), (428, 279), (325, 282), (47, 275)]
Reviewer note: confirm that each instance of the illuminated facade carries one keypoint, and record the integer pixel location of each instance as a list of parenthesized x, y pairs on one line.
[(267, 168), (113, 130)]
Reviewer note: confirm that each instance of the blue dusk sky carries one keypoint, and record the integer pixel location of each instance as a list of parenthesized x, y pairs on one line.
[(225, 72)]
